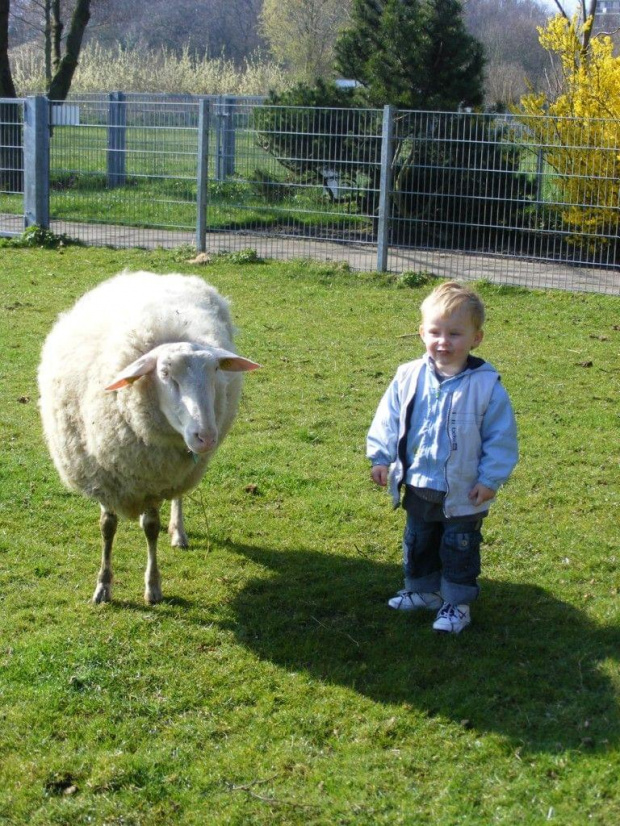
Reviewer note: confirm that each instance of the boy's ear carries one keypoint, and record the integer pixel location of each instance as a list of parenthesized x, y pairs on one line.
[(478, 338)]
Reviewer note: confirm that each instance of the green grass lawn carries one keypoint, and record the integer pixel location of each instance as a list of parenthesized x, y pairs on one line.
[(160, 188), (273, 685)]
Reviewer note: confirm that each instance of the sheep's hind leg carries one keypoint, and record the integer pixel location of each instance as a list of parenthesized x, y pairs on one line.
[(108, 524), (176, 527), (151, 526)]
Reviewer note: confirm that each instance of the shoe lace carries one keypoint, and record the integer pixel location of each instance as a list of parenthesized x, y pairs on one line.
[(451, 612)]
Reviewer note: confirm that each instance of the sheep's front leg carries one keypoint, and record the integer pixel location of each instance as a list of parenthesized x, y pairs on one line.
[(151, 526), (176, 526), (108, 524)]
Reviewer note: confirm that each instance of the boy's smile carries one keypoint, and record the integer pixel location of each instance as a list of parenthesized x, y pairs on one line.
[(449, 339)]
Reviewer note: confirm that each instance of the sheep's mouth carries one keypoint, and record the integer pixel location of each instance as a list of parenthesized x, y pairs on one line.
[(199, 444)]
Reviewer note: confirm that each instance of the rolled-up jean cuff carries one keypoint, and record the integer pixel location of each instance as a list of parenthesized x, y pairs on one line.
[(457, 594), (424, 584)]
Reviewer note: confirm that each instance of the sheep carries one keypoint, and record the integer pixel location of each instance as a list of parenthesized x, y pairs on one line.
[(139, 384)]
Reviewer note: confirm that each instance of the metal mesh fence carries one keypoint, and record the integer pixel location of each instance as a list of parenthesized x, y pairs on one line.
[(517, 200), (505, 186), (300, 175), (125, 163), (11, 166), (531, 201)]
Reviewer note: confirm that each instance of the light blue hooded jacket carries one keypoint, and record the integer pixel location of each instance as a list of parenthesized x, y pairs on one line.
[(447, 435)]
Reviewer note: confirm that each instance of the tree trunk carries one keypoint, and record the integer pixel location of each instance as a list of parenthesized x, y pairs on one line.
[(588, 33), (586, 12), (47, 43), (7, 89), (11, 153), (57, 28), (61, 82)]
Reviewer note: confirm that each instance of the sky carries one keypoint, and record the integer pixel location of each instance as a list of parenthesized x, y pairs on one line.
[(569, 5)]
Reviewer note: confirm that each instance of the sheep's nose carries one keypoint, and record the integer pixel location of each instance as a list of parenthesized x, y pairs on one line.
[(201, 442)]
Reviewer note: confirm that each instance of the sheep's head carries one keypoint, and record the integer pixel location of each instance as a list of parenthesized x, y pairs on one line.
[(186, 378)]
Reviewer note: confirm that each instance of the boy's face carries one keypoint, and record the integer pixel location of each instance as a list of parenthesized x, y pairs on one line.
[(449, 339)]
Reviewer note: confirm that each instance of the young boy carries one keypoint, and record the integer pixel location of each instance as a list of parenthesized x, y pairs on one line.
[(445, 430)]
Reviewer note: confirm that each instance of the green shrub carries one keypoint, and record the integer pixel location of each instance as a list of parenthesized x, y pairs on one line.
[(315, 134), (36, 236), (246, 256), (457, 183), (268, 188), (415, 279)]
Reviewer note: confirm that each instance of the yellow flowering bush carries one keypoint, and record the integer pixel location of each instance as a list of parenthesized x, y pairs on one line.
[(579, 131)]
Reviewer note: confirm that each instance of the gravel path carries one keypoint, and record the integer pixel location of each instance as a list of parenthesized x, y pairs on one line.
[(360, 256)]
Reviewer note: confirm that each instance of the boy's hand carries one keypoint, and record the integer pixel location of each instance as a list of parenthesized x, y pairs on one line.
[(379, 474), (480, 494)]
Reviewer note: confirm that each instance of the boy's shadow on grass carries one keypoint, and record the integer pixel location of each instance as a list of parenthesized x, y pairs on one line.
[(529, 668)]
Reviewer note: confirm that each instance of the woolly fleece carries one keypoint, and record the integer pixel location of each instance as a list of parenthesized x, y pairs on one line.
[(117, 447)]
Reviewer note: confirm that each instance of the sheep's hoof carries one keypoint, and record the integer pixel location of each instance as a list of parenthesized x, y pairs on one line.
[(152, 595), (178, 539), (103, 593)]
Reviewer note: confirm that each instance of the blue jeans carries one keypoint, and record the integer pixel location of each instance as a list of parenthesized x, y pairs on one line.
[(443, 556)]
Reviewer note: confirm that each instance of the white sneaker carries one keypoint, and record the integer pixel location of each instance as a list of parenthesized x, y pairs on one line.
[(414, 601), (452, 619)]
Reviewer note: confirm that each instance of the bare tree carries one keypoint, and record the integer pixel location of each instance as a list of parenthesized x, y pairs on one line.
[(226, 28), (7, 88), (302, 34), (45, 17), (586, 11), (10, 127), (65, 66), (40, 20), (512, 63)]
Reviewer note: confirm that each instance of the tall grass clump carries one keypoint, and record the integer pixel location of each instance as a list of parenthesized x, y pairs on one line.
[(136, 69)]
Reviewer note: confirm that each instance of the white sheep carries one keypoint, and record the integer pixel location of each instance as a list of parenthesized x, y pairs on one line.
[(138, 386)]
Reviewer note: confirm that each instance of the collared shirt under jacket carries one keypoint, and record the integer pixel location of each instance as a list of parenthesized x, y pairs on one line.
[(446, 434)]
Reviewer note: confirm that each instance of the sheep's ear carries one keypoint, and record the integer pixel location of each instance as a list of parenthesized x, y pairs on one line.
[(232, 362), (139, 367), (237, 364)]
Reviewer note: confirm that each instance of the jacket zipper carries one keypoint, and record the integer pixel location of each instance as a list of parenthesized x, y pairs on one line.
[(445, 467)]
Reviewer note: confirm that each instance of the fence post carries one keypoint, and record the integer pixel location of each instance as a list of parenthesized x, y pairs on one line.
[(202, 175), (385, 187), (36, 162), (117, 139), (540, 165), (225, 130)]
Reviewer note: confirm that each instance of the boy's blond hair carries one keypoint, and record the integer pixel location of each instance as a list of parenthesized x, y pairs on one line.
[(452, 297)]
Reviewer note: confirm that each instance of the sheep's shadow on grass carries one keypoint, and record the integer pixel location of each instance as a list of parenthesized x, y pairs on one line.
[(139, 606), (529, 667)]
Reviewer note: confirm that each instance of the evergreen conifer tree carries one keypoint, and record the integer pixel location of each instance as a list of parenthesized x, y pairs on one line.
[(415, 54)]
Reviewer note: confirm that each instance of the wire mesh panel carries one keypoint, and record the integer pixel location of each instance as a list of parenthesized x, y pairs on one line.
[(126, 163), (456, 184), (11, 167), (512, 199), (293, 178), (577, 194), (468, 188)]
